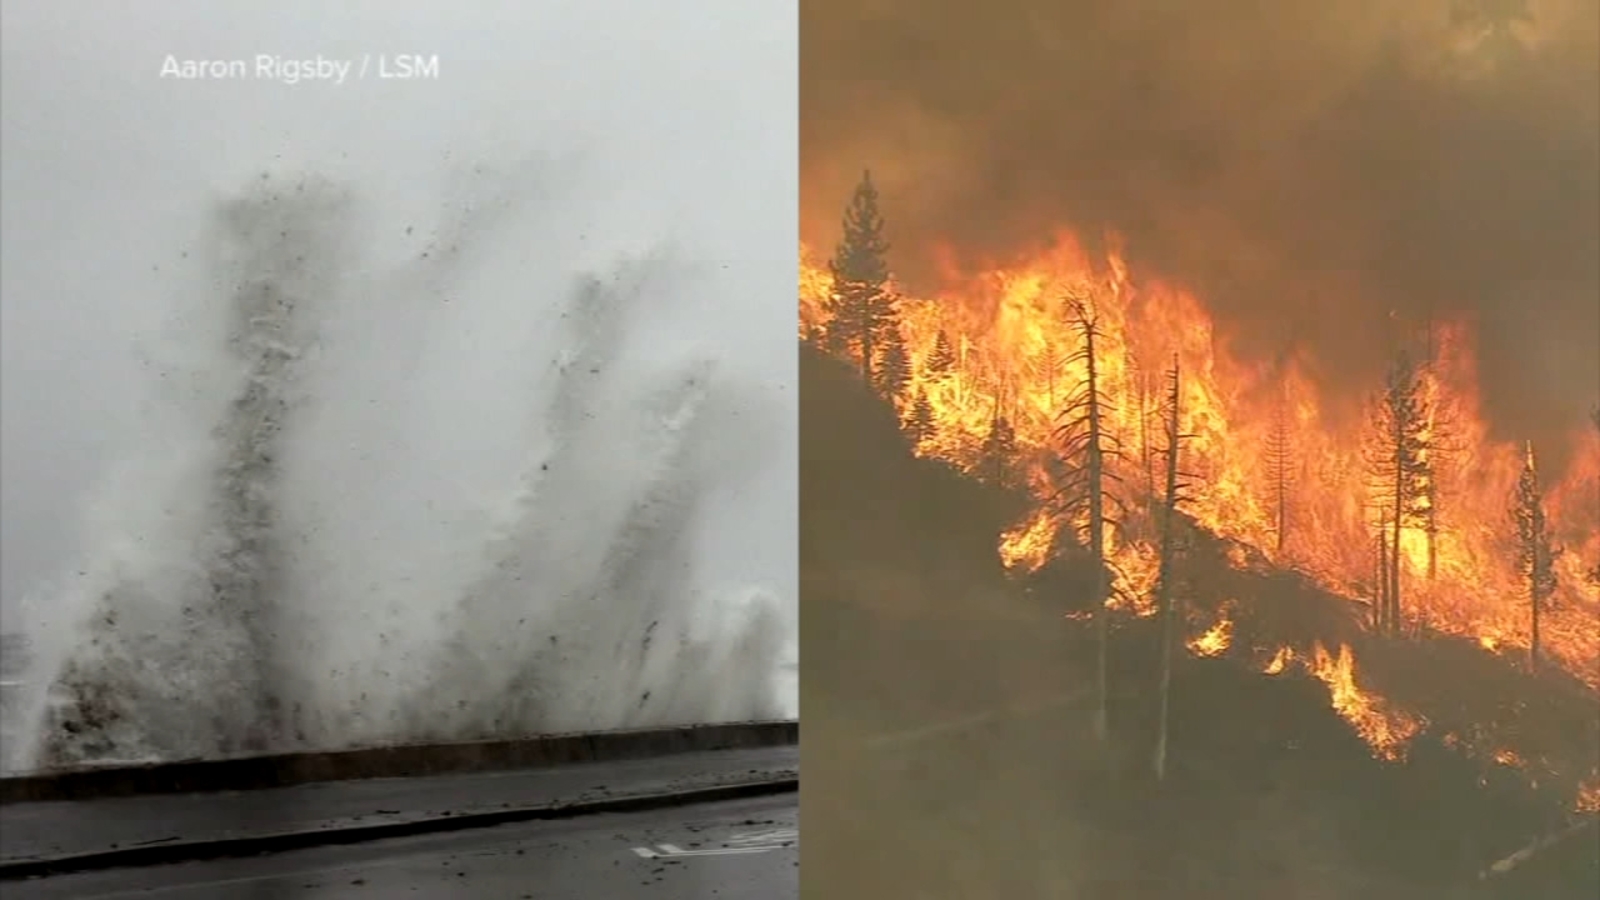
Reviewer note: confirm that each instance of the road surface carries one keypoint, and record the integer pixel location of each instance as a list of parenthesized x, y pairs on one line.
[(740, 850), (33, 831)]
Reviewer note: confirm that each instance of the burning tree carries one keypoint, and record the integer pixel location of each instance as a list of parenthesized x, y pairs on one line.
[(1087, 446), (1535, 556), (1279, 457), (861, 308), (894, 369), (1167, 602), (1046, 366), (999, 448), (1440, 441), (1401, 473), (942, 359), (920, 424), (1149, 421)]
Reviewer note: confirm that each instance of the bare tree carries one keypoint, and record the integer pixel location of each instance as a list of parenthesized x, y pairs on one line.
[(1167, 602), (1087, 448), (1279, 458), (1400, 470), (1535, 556)]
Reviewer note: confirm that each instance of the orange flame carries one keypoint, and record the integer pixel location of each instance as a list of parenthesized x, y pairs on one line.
[(1589, 796), (1385, 729), (1009, 333), (1279, 662), (1215, 641)]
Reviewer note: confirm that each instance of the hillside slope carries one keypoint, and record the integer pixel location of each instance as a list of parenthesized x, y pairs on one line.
[(948, 749)]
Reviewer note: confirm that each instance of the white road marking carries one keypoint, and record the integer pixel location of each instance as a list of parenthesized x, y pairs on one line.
[(739, 844)]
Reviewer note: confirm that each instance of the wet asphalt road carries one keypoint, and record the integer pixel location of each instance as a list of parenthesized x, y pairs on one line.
[(34, 830), (740, 850)]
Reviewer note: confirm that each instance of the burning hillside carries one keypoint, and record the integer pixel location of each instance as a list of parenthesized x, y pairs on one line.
[(1276, 464), (1343, 259), (1403, 504)]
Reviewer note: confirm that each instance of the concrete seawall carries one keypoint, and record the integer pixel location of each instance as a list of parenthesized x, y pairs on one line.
[(400, 761)]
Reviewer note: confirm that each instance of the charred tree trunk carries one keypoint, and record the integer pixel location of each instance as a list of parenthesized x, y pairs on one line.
[(1397, 524), (1146, 452), (1380, 600), (1097, 544), (1431, 526), (1401, 470), (996, 459), (1167, 602), (1087, 449), (1533, 608), (1282, 517), (1535, 556)]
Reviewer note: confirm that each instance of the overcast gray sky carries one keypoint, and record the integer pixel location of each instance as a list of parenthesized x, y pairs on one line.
[(108, 170)]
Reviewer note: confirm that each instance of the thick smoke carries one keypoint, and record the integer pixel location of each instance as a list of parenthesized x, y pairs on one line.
[(1316, 171), (373, 504)]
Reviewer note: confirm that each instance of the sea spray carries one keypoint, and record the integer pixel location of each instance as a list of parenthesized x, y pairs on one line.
[(184, 654), (319, 539)]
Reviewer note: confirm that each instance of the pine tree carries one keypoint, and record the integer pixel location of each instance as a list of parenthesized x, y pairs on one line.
[(999, 448), (1087, 447), (920, 425), (942, 359), (1279, 458), (1399, 467), (894, 368), (1046, 367), (862, 309), (1535, 556)]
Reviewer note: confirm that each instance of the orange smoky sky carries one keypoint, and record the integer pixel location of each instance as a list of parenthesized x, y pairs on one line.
[(1314, 171)]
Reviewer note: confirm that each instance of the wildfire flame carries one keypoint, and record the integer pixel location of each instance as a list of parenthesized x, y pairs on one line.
[(1009, 333), (1509, 758), (1589, 796), (1279, 662), (1385, 729), (1215, 641)]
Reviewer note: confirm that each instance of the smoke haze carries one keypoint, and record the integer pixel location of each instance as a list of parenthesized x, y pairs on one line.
[(1313, 170)]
